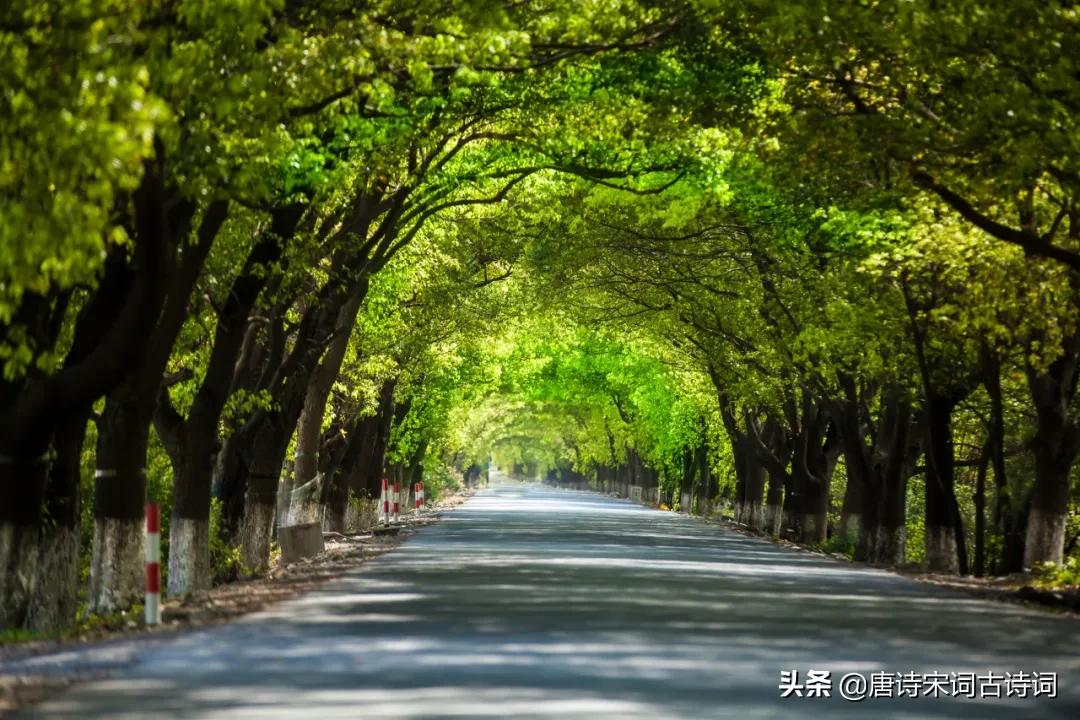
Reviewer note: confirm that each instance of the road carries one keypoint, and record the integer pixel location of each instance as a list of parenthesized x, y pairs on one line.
[(538, 603)]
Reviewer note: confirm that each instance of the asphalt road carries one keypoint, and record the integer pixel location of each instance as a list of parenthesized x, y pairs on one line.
[(538, 603)]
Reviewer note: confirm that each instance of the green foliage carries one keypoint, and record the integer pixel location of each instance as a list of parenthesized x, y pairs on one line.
[(1051, 575), (440, 481), (915, 528), (76, 126), (226, 560), (362, 514), (85, 623), (839, 545), (587, 225)]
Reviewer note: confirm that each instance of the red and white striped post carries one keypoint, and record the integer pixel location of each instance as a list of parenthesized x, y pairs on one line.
[(397, 499), (384, 502), (153, 563), (418, 494)]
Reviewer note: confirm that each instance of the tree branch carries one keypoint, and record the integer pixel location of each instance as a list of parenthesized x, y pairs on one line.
[(1031, 243)]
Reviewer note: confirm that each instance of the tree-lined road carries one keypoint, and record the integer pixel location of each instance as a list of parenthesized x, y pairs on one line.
[(533, 602)]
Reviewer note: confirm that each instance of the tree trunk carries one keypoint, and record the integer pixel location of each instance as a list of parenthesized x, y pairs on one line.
[(815, 453), (890, 542), (945, 548), (189, 524), (706, 484), (375, 461), (738, 452), (262, 459), (880, 456), (980, 513), (263, 441), (117, 574), (749, 469), (811, 508), (1007, 520), (851, 508), (602, 473), (686, 480), (774, 504), (193, 443), (765, 448), (860, 514), (61, 543), (358, 456), (358, 463), (309, 427), (852, 428), (23, 537), (1055, 446), (334, 485), (41, 408), (1013, 536), (751, 512), (1045, 537)]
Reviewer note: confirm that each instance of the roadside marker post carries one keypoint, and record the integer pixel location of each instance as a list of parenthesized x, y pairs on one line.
[(397, 499), (153, 564), (384, 502)]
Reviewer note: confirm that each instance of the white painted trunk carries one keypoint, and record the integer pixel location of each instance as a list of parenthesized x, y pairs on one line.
[(255, 533), (685, 503), (189, 556), (941, 550), (742, 513), (58, 572), (851, 526), (304, 505), (789, 520), (302, 512), (19, 553), (890, 546), (284, 505), (117, 565), (773, 519), (754, 515), (1045, 539), (812, 528), (38, 578)]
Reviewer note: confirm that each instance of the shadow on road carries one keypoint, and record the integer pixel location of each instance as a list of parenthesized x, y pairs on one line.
[(533, 602)]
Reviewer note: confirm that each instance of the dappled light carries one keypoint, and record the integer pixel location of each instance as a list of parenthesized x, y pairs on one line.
[(546, 624), (553, 358)]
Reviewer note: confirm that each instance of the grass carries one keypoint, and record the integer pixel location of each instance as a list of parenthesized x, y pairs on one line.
[(86, 623), (840, 545), (1051, 575)]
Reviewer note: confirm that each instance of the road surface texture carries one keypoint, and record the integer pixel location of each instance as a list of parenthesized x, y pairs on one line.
[(539, 603)]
